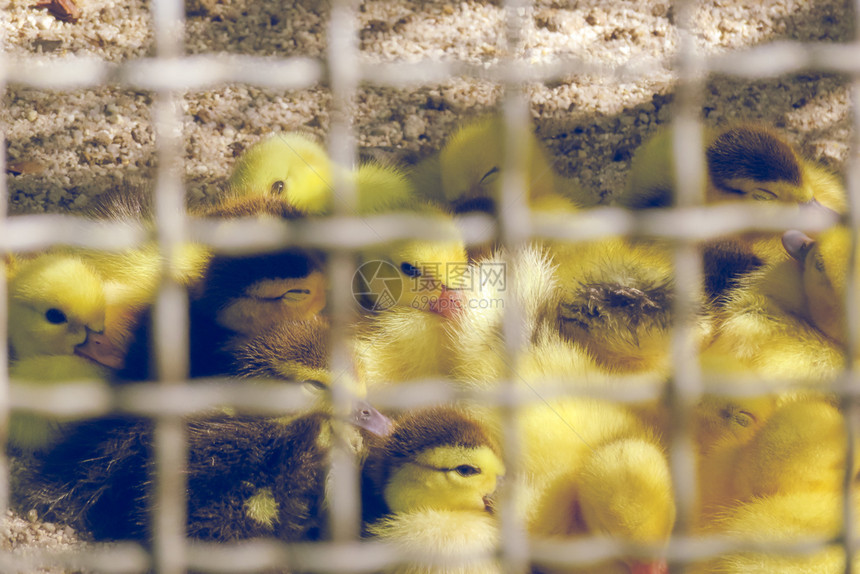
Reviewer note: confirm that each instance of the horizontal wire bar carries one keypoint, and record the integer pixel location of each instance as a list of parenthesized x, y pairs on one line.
[(330, 233), (40, 231), (118, 558), (34, 232), (687, 223), (204, 71), (92, 398), (362, 556)]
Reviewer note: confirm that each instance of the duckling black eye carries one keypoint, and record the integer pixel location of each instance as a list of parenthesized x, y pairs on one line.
[(467, 470), (55, 316), (410, 270), (277, 188)]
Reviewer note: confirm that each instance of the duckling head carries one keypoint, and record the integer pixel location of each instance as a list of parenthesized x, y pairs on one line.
[(436, 459), (471, 163), (289, 165), (423, 274), (800, 448), (616, 300), (750, 162), (56, 303), (250, 294), (824, 262)]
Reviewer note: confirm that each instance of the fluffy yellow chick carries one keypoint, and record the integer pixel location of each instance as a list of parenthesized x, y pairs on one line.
[(784, 320), (580, 455), (743, 162), (825, 274), (593, 468), (782, 519), (531, 278), (56, 334), (427, 490), (57, 307), (470, 166), (415, 272), (413, 288), (780, 483), (616, 300), (798, 447), (291, 165)]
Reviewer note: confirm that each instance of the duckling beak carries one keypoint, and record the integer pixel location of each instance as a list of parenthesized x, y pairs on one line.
[(812, 206), (448, 304), (97, 347), (489, 504), (366, 417), (797, 244), (655, 567), (490, 499)]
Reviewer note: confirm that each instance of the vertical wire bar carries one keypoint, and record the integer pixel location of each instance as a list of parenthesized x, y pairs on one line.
[(685, 385), (852, 328), (171, 307), (514, 227), (343, 494), (4, 315)]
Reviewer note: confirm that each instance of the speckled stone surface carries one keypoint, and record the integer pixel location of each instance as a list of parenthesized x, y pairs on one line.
[(77, 145)]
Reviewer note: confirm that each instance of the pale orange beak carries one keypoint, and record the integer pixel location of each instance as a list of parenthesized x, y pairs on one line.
[(449, 303), (97, 347), (655, 567)]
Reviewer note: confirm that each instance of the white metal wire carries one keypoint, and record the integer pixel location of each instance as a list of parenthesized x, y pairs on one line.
[(170, 73)]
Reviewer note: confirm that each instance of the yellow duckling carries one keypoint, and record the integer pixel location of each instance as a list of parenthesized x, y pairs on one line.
[(56, 334), (412, 288), (57, 307), (785, 320), (796, 446), (427, 490), (594, 468), (780, 483), (783, 518), (469, 171), (743, 162), (289, 165), (616, 301), (580, 455)]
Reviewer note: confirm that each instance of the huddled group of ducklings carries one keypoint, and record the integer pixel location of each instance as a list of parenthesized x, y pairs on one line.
[(593, 315)]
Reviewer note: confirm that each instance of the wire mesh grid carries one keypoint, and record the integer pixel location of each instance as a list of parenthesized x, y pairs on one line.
[(170, 72)]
